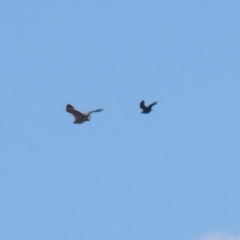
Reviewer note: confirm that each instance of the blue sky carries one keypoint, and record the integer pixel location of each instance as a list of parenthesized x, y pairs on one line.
[(172, 174)]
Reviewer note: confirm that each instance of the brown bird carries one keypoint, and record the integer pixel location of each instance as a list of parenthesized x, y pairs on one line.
[(80, 117), (146, 109)]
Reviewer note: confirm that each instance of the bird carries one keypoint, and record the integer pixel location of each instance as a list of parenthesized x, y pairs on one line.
[(80, 117), (146, 109)]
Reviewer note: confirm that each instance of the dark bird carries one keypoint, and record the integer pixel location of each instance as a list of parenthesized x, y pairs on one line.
[(146, 109), (80, 117)]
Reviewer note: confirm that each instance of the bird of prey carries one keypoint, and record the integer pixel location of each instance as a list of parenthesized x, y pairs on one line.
[(80, 117), (146, 109)]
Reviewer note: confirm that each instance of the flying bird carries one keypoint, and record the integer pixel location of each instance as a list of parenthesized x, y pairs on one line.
[(146, 109), (80, 117)]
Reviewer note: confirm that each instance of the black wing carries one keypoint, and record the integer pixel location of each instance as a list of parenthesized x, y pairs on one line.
[(97, 110), (152, 104), (73, 111), (142, 105)]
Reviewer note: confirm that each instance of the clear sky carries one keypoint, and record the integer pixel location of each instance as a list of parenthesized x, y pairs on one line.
[(173, 174)]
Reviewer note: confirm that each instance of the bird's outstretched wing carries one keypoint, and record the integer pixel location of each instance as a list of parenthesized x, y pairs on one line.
[(74, 112), (142, 105), (96, 110), (152, 104)]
